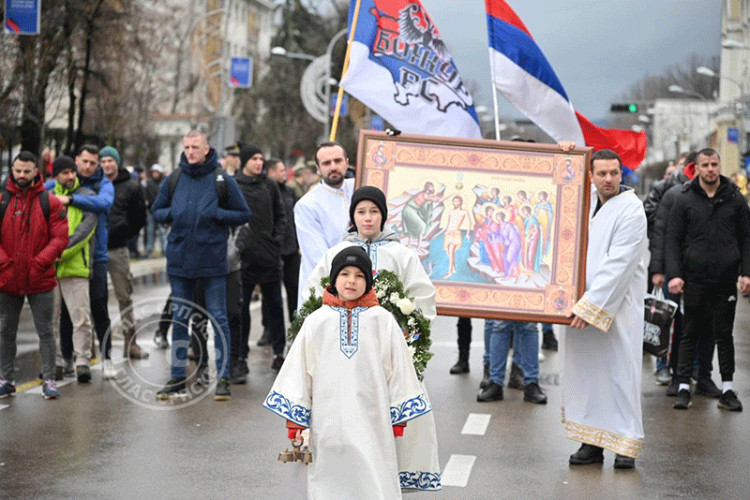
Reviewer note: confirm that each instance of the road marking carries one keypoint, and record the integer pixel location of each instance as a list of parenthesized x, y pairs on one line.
[(458, 470), (476, 424), (38, 389), (2, 407)]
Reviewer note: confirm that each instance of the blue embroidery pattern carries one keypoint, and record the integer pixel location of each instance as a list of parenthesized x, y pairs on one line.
[(282, 406), (349, 346), (372, 251), (410, 409), (427, 481)]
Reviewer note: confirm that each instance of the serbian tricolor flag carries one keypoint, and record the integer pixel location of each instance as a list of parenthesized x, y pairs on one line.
[(400, 68), (521, 72)]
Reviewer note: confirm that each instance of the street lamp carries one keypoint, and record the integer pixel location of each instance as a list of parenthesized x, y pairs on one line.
[(702, 70), (678, 89), (732, 44), (281, 51)]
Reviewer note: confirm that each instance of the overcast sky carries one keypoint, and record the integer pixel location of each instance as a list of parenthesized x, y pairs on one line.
[(596, 47)]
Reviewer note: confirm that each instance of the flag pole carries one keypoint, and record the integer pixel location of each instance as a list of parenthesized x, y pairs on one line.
[(494, 98), (340, 96)]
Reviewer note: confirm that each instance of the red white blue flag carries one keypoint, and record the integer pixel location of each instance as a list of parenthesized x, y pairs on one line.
[(524, 76), (400, 67)]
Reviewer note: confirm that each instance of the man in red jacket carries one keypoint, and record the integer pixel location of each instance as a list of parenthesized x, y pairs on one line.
[(33, 234)]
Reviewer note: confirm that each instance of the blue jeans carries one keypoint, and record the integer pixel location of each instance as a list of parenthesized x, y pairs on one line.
[(183, 291), (488, 325), (525, 350)]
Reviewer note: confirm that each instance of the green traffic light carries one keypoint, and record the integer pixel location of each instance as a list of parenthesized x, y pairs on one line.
[(633, 108)]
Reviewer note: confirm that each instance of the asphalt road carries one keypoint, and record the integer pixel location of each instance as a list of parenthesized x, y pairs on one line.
[(112, 440)]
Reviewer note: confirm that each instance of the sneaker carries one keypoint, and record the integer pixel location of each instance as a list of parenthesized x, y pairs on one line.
[(486, 379), (623, 462), (174, 387), (160, 339), (222, 391), (706, 387), (534, 394), (278, 360), (109, 371), (49, 389), (202, 377), (7, 389), (493, 392), (663, 377), (682, 401), (673, 388), (83, 374), (729, 401), (461, 366), (587, 454), (237, 373), (515, 380)]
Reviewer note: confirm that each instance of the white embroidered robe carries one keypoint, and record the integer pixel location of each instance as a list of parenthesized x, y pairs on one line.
[(602, 367), (321, 218), (418, 461), (349, 379)]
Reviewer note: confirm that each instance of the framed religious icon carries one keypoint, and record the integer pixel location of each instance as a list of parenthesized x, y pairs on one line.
[(500, 227)]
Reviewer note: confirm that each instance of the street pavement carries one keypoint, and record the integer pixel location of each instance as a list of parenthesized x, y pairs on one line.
[(113, 440)]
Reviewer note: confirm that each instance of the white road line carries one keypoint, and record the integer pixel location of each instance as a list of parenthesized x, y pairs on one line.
[(476, 424), (458, 470), (2, 407)]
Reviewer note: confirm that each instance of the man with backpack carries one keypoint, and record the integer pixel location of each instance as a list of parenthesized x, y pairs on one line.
[(33, 234), (197, 250)]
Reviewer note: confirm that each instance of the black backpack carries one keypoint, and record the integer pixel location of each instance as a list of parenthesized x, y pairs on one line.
[(219, 180)]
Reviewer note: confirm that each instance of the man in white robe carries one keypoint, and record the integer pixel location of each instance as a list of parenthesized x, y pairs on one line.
[(322, 215), (603, 346)]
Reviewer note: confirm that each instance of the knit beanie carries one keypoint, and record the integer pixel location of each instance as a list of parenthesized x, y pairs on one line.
[(110, 152), (374, 195), (352, 256), (247, 151), (63, 163)]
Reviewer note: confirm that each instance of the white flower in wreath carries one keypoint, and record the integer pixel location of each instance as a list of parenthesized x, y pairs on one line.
[(394, 298), (406, 306), (412, 351), (411, 322), (380, 294)]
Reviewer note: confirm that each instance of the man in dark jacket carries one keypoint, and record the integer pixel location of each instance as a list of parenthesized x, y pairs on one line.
[(290, 255), (259, 243), (197, 251), (126, 219), (707, 246), (30, 242)]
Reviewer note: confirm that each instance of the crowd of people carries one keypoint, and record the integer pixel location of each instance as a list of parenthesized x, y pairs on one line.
[(228, 225)]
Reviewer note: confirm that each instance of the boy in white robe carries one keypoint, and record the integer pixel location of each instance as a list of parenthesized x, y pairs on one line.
[(419, 465), (603, 346), (349, 378)]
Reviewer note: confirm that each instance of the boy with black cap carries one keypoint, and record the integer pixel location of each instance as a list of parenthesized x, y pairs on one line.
[(368, 212), (350, 358)]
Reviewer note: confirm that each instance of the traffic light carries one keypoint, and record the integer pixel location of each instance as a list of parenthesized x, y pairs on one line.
[(624, 108)]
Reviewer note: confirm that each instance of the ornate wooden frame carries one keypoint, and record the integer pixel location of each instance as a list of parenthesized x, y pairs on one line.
[(545, 278)]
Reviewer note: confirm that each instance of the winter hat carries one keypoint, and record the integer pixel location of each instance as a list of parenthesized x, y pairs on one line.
[(374, 195), (111, 152), (157, 168), (247, 151), (63, 163), (352, 256)]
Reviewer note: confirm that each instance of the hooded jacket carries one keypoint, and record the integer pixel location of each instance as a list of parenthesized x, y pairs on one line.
[(260, 241), (708, 239), (75, 260), (128, 214), (29, 244), (197, 241)]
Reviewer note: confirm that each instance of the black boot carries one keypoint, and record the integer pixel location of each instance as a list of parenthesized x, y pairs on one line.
[(549, 342), (462, 365), (486, 380), (266, 338), (587, 454), (493, 392), (515, 380)]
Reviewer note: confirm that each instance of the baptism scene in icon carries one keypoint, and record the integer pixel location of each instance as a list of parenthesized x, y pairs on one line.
[(479, 228)]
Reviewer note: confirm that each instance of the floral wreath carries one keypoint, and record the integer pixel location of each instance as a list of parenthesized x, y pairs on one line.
[(390, 292)]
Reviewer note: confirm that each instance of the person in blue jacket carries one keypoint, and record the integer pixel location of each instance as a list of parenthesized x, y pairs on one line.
[(197, 251), (92, 176)]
